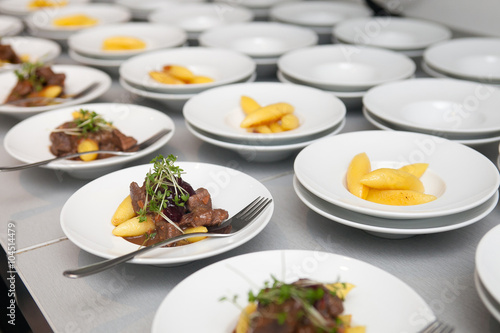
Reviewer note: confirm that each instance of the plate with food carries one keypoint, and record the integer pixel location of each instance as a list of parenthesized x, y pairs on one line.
[(399, 175), (131, 207), (318, 291), (108, 126), (16, 50), (24, 7), (264, 112), (36, 87)]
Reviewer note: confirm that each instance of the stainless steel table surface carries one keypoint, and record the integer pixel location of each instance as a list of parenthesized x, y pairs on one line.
[(439, 267)]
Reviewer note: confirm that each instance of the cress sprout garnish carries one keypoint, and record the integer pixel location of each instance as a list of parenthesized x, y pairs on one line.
[(86, 122), (28, 72), (161, 184)]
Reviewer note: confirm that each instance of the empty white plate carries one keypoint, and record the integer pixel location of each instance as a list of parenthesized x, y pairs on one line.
[(141, 9), (345, 67), (10, 26), (460, 177), (487, 264)]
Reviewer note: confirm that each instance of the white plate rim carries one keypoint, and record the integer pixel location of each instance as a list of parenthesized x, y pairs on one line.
[(489, 302), (486, 265)]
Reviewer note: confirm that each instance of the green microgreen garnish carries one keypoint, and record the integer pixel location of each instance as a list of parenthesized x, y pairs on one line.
[(162, 185), (87, 122), (28, 72)]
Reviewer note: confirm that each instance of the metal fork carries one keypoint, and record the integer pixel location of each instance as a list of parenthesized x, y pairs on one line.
[(138, 147), (238, 222), (438, 327)]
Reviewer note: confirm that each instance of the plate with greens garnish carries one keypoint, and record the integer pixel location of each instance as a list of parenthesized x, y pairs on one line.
[(38, 80), (110, 126), (290, 286), (94, 229)]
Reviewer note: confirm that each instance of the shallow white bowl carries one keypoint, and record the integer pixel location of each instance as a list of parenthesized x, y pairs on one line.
[(196, 18), (141, 9), (217, 111), (89, 42), (77, 79), (40, 22), (111, 65), (222, 65), (445, 106), (259, 39), (323, 173), (487, 262), (10, 26), (21, 7), (260, 8), (395, 33), (345, 67), (36, 49), (469, 58), (105, 194), (28, 141), (317, 13)]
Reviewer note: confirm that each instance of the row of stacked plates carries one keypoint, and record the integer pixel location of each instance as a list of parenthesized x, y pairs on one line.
[(320, 182), (345, 71), (487, 272), (462, 111), (215, 115), (222, 65)]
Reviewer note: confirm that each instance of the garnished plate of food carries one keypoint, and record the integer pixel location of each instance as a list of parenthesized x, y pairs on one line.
[(16, 50), (37, 84), (108, 126), (284, 290), (25, 7), (148, 203)]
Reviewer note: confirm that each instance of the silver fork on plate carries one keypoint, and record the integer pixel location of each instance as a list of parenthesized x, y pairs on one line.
[(238, 222), (138, 147), (438, 327)]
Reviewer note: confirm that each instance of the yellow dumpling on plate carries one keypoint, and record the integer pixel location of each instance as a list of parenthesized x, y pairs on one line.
[(75, 21), (122, 43)]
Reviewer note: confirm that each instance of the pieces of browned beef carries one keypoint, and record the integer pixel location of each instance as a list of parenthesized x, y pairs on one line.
[(7, 54), (25, 88)]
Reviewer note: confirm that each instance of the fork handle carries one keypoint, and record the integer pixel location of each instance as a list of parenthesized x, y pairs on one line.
[(103, 265), (31, 165)]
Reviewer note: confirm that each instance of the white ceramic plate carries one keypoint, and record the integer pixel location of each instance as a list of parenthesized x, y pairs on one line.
[(322, 166), (89, 42), (96, 62), (470, 58), (487, 265), (477, 141), (317, 13), (259, 39), (36, 49), (262, 153), (141, 9), (395, 33), (217, 111), (249, 272), (28, 141), (222, 65), (21, 7), (77, 79), (89, 230), (345, 67), (41, 22), (174, 101), (10, 26), (393, 228), (440, 105), (489, 302), (198, 17)]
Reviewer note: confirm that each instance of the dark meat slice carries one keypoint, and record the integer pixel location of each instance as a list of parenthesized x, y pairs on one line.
[(203, 216), (138, 196), (200, 198), (219, 216), (329, 306), (7, 54), (61, 144), (48, 77), (22, 89), (266, 321), (122, 141), (166, 230)]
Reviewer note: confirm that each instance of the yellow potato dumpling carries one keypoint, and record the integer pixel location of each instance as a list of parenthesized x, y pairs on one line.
[(75, 21), (416, 169), (392, 179), (276, 127), (358, 168), (50, 91), (201, 79), (175, 74), (289, 122), (179, 72), (166, 78), (34, 4), (248, 104), (87, 145), (399, 197), (123, 43), (267, 114), (193, 230), (244, 320), (124, 212), (133, 227)]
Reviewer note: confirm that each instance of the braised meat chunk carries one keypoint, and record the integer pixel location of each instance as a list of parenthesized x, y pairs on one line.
[(7, 54)]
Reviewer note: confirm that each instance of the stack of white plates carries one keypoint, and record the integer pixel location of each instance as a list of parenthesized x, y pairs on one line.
[(405, 35), (41, 22), (320, 16), (320, 171), (222, 65), (22, 8), (473, 59), (86, 47), (487, 272), (140, 10), (198, 17), (462, 111), (31, 48), (215, 115), (265, 42), (345, 71), (260, 8), (10, 26)]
